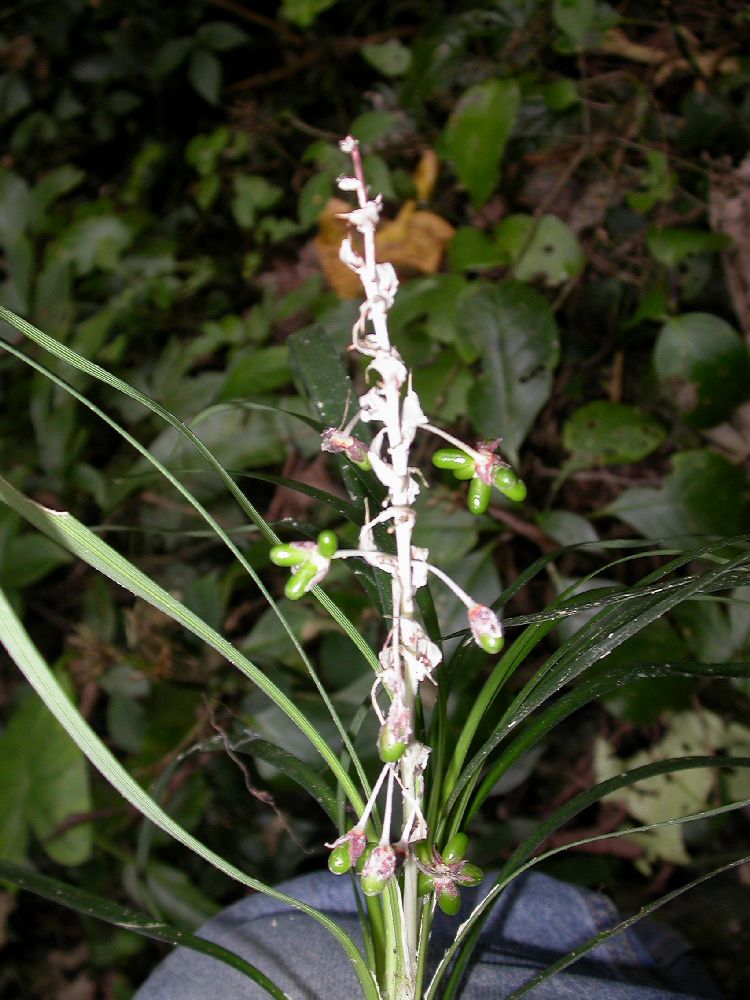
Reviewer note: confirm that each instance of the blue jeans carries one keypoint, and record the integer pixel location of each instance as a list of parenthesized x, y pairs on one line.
[(536, 920)]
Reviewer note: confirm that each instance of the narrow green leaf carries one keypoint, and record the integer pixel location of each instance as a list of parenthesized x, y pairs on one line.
[(92, 905), (26, 656)]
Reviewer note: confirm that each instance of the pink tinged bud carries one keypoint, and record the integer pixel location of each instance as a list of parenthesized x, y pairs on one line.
[(337, 443), (354, 840), (486, 628), (381, 864)]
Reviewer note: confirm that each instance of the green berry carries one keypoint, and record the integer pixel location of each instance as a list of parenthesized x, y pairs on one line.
[(425, 884), (372, 885), (340, 859), (449, 902), (467, 472), (299, 582), (327, 543), (452, 458), (478, 497), (455, 849), (473, 872), (491, 644), (390, 748), (287, 555), (509, 484)]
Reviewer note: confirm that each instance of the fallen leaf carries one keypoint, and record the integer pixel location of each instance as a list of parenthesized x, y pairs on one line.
[(415, 241)]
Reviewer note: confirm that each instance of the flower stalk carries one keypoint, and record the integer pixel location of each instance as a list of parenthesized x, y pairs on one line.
[(408, 656)]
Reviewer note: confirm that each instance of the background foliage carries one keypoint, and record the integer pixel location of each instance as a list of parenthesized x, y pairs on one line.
[(567, 189)]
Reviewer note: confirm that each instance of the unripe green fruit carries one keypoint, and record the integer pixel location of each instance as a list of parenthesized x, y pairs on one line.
[(298, 582), (425, 884), (340, 860), (455, 849), (467, 472), (327, 543), (365, 465), (390, 748), (491, 643), (478, 497), (509, 484), (287, 555), (452, 458), (473, 872), (449, 903), (372, 885)]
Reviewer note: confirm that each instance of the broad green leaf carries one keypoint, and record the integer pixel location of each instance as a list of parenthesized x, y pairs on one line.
[(258, 371), (304, 12), (443, 527), (46, 191), (574, 18), (170, 892), (566, 528), (473, 250), (561, 94), (703, 366), (703, 494), (203, 151), (44, 780), (516, 336), (313, 198), (220, 36), (205, 74), (477, 131), (92, 243), (27, 657), (29, 558), (120, 916), (544, 248), (391, 58), (604, 433), (371, 126), (670, 245), (253, 195)]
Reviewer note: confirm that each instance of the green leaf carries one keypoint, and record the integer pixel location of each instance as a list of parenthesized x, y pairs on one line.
[(657, 180), (541, 248), (670, 245), (203, 151), (566, 528), (304, 12), (45, 781), (46, 191), (391, 58), (372, 126), (604, 433), (257, 372), (92, 243), (170, 892), (29, 558), (253, 195), (139, 923), (574, 18), (477, 131), (220, 36), (518, 343), (473, 250), (703, 366), (14, 205), (704, 494), (204, 72)]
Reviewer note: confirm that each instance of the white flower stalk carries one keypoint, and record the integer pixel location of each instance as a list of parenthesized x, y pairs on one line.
[(408, 657)]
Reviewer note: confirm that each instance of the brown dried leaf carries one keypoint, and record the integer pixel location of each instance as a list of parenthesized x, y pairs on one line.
[(414, 241)]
